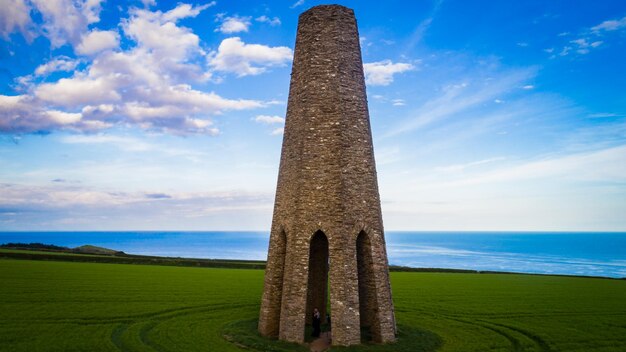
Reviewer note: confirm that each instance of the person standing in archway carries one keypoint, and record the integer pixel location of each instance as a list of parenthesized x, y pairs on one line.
[(317, 322)]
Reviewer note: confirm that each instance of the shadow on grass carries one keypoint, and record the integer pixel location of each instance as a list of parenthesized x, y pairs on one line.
[(244, 334)]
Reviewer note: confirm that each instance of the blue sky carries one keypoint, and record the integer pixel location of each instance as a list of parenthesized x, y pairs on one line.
[(161, 115)]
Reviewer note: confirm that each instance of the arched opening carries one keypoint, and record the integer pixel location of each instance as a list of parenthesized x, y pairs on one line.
[(317, 293), (368, 303)]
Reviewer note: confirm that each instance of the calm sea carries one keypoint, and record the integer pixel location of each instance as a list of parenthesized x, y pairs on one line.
[(597, 254)]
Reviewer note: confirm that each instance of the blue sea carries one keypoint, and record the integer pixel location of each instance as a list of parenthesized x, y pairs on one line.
[(595, 254)]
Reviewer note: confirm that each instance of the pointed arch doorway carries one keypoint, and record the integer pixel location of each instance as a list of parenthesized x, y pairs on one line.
[(317, 293), (368, 302)]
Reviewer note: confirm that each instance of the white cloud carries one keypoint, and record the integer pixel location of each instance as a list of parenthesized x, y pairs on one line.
[(91, 10), (234, 24), (398, 102), (146, 86), (15, 16), (271, 21), (235, 56), (381, 73), (609, 26), (65, 20), (139, 98), (278, 131), (158, 32), (528, 87), (269, 119), (12, 111), (61, 63), (76, 91), (97, 41), (297, 3), (63, 118), (21, 113)]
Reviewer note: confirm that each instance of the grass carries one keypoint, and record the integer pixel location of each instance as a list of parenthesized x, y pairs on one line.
[(122, 258), (410, 339), (68, 306)]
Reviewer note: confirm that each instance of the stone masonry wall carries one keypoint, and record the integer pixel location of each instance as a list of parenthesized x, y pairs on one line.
[(327, 182)]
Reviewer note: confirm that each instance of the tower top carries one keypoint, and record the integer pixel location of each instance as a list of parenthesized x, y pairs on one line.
[(327, 9)]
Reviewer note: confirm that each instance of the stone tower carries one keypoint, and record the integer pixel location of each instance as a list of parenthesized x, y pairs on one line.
[(327, 242)]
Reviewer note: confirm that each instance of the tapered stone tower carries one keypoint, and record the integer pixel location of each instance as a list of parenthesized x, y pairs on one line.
[(327, 242)]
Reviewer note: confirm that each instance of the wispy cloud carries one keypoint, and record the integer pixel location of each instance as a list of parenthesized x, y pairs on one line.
[(278, 131), (272, 120), (420, 31), (461, 97), (121, 142), (266, 119), (603, 165), (65, 206), (61, 63), (461, 167), (590, 38), (604, 114), (610, 25), (398, 102), (297, 3), (275, 21), (131, 145)]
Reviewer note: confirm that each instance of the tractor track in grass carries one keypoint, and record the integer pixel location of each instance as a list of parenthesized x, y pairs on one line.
[(150, 320), (133, 318), (143, 336), (500, 329), (515, 343), (116, 336), (525, 315), (545, 347)]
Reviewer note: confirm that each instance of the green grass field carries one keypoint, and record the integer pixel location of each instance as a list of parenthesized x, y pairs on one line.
[(64, 306)]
